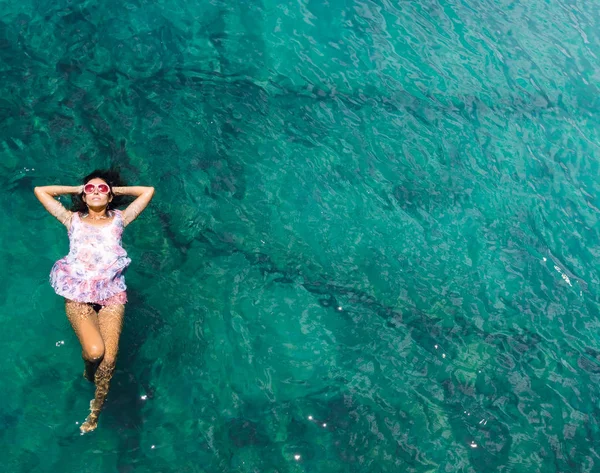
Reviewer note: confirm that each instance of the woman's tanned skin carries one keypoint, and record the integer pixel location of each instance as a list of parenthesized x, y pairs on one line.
[(98, 328)]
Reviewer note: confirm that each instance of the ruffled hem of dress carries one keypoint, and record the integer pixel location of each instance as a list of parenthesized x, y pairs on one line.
[(84, 296), (119, 298), (86, 300)]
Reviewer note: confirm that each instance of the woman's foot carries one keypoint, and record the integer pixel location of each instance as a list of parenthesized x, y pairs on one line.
[(89, 425), (92, 419)]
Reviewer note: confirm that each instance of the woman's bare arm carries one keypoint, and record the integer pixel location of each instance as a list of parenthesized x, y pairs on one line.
[(46, 195), (144, 196)]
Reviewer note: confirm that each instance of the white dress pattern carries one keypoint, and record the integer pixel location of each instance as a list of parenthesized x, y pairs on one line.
[(93, 271)]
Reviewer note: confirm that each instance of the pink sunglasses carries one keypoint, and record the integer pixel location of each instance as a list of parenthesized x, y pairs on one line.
[(91, 188)]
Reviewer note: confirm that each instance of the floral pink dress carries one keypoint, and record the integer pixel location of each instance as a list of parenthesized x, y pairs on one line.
[(93, 270)]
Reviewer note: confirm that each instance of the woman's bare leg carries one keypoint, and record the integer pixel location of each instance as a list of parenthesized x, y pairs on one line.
[(84, 320), (110, 320)]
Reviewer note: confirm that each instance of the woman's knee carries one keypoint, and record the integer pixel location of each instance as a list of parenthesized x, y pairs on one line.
[(94, 352)]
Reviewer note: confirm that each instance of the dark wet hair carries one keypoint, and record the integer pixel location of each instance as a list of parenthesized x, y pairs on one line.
[(113, 178)]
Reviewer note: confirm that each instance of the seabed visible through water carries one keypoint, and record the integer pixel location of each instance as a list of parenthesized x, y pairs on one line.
[(372, 247)]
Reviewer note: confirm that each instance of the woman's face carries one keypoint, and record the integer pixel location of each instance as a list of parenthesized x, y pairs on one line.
[(96, 200)]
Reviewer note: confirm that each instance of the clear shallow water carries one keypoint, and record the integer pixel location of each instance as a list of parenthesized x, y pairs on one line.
[(372, 245)]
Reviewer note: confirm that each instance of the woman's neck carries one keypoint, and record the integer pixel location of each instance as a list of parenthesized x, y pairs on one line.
[(96, 214)]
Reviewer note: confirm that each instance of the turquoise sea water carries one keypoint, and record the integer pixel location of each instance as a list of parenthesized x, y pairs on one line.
[(372, 247)]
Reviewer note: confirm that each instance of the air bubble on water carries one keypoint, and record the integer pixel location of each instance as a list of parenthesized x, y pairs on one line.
[(324, 425), (310, 417), (143, 397), (60, 343), (473, 445), (297, 457)]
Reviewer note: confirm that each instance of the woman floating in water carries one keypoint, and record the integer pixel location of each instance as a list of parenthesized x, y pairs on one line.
[(90, 277)]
